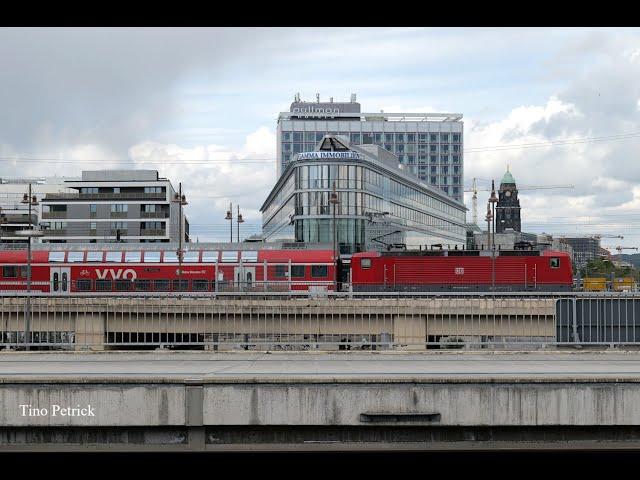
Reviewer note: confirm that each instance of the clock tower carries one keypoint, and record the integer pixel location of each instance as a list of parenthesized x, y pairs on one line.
[(508, 207)]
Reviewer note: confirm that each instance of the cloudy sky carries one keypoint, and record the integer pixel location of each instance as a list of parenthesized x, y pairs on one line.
[(560, 106)]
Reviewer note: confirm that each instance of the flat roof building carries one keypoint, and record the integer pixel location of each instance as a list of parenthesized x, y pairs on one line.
[(127, 206), (381, 204), (430, 145)]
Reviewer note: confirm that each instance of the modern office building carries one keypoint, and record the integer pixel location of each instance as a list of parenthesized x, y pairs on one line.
[(381, 203), (584, 249), (114, 206), (430, 145)]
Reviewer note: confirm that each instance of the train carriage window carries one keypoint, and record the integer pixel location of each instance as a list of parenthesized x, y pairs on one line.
[(554, 262), (142, 285), (101, 285), (75, 257), (170, 257), (365, 263), (123, 285), (161, 285), (319, 271), (133, 257), (191, 257), (210, 257), (280, 271), (200, 285), (115, 257), (94, 256), (180, 285), (56, 256), (249, 256), (229, 257), (14, 271), (83, 285), (152, 257), (297, 271)]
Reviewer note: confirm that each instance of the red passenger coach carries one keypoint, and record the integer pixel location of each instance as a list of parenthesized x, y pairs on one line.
[(68, 272), (462, 270)]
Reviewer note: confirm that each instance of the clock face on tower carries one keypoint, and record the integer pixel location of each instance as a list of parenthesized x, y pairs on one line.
[(507, 193)]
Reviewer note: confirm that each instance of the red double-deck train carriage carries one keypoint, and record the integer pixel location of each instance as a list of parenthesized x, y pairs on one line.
[(65, 272), (131, 271), (462, 270)]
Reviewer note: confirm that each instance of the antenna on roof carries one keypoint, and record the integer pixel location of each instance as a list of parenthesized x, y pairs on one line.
[(353, 98), (296, 97), (330, 99), (318, 97)]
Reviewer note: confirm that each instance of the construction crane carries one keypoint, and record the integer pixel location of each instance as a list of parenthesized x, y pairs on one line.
[(474, 188), (599, 236), (619, 249)]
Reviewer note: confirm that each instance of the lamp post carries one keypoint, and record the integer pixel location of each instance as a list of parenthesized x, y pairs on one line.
[(492, 201), (333, 199), (230, 218), (181, 200), (239, 220), (31, 200)]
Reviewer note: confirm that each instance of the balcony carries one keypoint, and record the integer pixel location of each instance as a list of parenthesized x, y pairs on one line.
[(154, 214), (54, 214), (53, 197), (152, 232)]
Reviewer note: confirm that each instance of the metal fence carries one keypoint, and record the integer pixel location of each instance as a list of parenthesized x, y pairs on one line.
[(294, 320)]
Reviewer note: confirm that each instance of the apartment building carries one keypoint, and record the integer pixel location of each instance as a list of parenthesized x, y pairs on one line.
[(125, 206)]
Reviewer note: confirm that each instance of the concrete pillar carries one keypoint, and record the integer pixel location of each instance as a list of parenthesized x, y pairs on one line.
[(89, 331), (409, 332)]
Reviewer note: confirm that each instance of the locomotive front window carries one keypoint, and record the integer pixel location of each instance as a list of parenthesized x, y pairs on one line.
[(319, 271), (554, 262), (297, 271), (365, 263)]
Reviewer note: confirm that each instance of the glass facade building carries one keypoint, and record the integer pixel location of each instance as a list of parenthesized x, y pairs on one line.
[(430, 145), (380, 203)]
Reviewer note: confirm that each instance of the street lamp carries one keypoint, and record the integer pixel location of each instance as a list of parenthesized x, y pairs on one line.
[(333, 199), (31, 232), (181, 200), (492, 201), (239, 220), (230, 218)]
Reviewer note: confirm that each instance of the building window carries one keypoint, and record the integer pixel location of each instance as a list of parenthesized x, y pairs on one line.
[(456, 138), (367, 138), (153, 189), (297, 136), (89, 190), (433, 137)]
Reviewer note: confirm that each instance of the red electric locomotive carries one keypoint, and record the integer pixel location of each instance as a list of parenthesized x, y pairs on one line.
[(64, 272), (462, 270)]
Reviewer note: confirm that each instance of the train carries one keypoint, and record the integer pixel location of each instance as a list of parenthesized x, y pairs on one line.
[(128, 271)]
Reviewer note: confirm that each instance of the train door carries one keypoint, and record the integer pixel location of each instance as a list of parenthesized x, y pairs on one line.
[(245, 276), (60, 280)]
